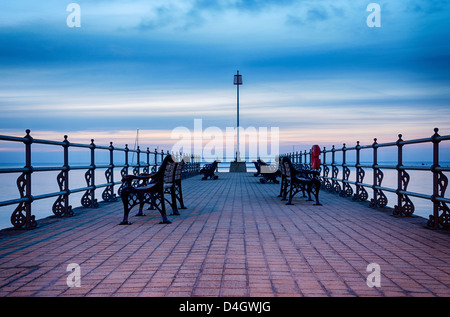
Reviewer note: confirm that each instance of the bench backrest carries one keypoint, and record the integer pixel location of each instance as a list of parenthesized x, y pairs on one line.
[(179, 170), (169, 174), (165, 175), (289, 169), (282, 168)]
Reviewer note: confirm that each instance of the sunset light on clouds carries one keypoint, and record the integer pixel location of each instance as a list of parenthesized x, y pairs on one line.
[(312, 68)]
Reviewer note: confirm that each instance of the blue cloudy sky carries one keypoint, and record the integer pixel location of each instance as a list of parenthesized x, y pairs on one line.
[(312, 68)]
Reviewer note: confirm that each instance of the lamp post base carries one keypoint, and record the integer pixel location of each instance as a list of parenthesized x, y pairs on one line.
[(238, 167)]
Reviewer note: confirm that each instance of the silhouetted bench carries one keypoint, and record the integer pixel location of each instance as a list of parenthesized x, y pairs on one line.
[(296, 180), (269, 173), (258, 163), (208, 170), (150, 189)]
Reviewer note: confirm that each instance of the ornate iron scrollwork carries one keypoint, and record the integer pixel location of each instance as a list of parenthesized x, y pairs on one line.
[(380, 199), (443, 209), (406, 207), (60, 206), (326, 182), (19, 215), (108, 193), (335, 184), (87, 199), (361, 193), (347, 190), (123, 173)]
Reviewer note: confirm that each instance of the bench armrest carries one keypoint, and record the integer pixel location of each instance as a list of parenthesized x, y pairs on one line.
[(130, 178), (310, 173)]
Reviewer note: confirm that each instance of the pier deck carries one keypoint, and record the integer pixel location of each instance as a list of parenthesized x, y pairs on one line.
[(235, 239)]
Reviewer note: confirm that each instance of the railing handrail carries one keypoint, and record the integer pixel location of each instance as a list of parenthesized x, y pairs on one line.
[(22, 216), (441, 213)]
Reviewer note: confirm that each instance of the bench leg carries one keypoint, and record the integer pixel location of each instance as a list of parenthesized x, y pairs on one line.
[(141, 206), (126, 209), (285, 190), (290, 195), (180, 197), (315, 190), (162, 208), (174, 201), (152, 204), (281, 187), (308, 190)]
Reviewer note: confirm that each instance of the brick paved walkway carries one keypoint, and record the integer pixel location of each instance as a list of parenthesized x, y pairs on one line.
[(235, 239)]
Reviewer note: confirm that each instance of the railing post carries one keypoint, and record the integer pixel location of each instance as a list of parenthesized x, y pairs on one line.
[(88, 200), (404, 206), (434, 219), (334, 172), (137, 169), (21, 216), (147, 168), (124, 170), (374, 200), (347, 190), (108, 193), (326, 170), (61, 206), (361, 193), (68, 208), (440, 183), (379, 198)]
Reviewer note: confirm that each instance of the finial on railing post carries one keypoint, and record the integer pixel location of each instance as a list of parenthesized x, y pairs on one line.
[(18, 219), (437, 186)]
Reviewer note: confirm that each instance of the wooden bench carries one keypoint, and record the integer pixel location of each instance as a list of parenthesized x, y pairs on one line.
[(150, 189), (258, 164), (208, 170), (294, 181), (269, 173)]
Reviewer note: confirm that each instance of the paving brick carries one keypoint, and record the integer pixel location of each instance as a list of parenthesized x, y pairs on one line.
[(235, 239)]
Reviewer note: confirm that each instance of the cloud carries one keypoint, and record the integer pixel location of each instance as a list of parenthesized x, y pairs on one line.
[(141, 64), (317, 14)]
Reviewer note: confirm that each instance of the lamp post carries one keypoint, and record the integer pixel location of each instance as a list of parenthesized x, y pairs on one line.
[(237, 82), (238, 165)]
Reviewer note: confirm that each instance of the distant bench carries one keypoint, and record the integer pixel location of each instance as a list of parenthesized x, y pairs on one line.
[(268, 172), (208, 170), (258, 164), (296, 180)]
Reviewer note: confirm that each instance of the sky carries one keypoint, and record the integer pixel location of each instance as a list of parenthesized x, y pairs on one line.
[(314, 69)]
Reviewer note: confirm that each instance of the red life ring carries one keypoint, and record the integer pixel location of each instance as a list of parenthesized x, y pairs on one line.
[(315, 160)]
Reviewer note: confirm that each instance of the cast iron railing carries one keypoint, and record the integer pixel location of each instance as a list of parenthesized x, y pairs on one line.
[(440, 217), (22, 216)]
